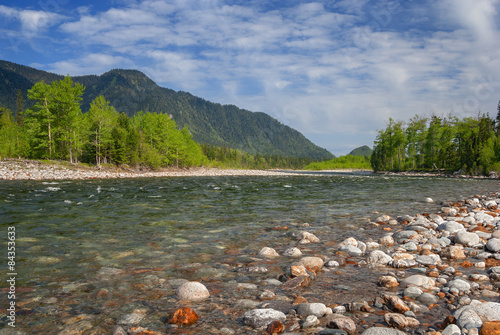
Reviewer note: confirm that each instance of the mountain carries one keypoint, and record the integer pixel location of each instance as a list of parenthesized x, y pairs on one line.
[(361, 151), (130, 91)]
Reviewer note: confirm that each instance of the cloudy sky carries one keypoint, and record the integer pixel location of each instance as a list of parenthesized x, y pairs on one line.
[(334, 70)]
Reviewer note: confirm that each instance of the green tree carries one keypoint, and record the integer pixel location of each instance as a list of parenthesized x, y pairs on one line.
[(8, 134), (40, 121), (102, 118), (67, 97), (415, 134)]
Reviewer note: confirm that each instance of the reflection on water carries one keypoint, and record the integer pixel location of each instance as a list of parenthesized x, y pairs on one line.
[(194, 228)]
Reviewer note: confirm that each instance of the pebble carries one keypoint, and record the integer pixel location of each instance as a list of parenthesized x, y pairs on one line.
[(339, 321), (351, 250), (378, 258), (383, 331), (310, 321), (388, 281), (192, 291), (306, 309), (268, 252), (292, 252), (466, 238), (261, 318), (419, 281), (493, 245)]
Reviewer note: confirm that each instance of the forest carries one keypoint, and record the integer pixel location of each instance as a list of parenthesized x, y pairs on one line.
[(470, 145), (55, 128)]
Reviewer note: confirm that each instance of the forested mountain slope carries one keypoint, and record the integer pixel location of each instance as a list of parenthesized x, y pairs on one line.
[(131, 91)]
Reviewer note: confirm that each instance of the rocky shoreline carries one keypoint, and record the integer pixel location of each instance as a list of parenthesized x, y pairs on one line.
[(440, 274), (36, 170)]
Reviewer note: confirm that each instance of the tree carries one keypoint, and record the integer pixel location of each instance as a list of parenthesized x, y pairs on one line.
[(415, 134), (19, 108), (8, 131), (40, 121), (67, 97), (102, 119)]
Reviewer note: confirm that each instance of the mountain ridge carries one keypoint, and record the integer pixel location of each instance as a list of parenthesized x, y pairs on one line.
[(131, 91)]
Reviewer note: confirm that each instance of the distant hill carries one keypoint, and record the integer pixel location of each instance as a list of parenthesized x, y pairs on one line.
[(362, 151), (130, 91)]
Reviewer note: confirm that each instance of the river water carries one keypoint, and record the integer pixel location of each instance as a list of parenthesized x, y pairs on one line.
[(89, 252)]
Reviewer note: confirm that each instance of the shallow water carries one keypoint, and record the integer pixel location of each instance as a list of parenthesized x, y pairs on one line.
[(68, 233)]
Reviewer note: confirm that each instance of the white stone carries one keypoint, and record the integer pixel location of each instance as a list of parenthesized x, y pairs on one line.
[(192, 291), (261, 318)]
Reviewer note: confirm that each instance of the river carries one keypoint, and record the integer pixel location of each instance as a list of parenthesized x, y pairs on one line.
[(95, 250)]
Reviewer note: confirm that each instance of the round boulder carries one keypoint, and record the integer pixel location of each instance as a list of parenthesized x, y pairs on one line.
[(418, 281), (192, 291)]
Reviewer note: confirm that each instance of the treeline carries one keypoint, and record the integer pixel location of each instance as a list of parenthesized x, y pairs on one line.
[(439, 143), (342, 162), (225, 157), (55, 128)]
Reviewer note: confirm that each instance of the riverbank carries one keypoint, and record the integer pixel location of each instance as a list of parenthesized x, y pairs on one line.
[(53, 170)]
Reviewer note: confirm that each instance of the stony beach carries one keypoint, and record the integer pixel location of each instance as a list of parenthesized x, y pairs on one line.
[(437, 273), (430, 273), (35, 170)]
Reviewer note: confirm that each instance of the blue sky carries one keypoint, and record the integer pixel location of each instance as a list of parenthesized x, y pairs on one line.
[(334, 70)]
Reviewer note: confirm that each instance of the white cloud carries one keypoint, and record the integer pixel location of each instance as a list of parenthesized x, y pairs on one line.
[(94, 63), (33, 22), (323, 68)]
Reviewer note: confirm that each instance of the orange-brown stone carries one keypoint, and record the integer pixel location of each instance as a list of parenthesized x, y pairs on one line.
[(184, 316), (300, 300), (466, 264), (275, 327), (490, 328), (490, 262)]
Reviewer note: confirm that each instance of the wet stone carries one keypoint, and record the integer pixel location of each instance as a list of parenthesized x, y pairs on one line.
[(317, 309), (261, 318), (339, 321)]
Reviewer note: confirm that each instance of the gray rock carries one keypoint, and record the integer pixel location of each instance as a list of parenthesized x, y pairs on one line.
[(451, 330), (260, 318), (450, 226), (459, 284), (339, 321), (488, 311), (246, 304), (310, 321), (293, 252), (469, 317), (268, 252), (192, 291), (427, 298), (306, 309), (351, 250), (412, 292), (130, 319), (403, 235), (379, 258), (327, 331), (466, 238), (382, 331), (332, 264), (493, 245), (419, 281), (428, 259), (402, 263), (482, 217), (410, 246)]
